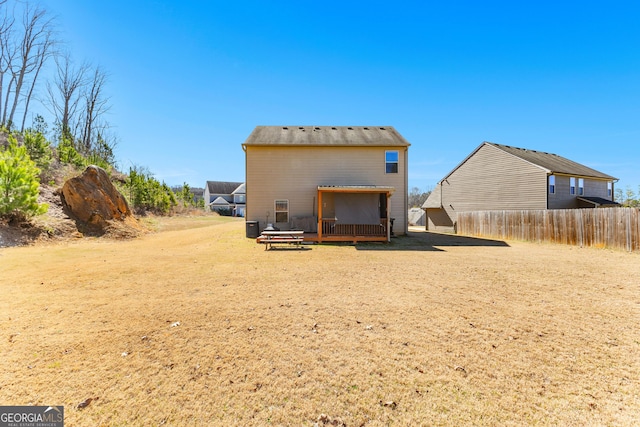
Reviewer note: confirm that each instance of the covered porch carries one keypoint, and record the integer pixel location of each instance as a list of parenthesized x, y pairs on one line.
[(353, 213)]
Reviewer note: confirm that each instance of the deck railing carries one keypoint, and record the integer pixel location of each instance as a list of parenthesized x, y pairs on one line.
[(332, 228)]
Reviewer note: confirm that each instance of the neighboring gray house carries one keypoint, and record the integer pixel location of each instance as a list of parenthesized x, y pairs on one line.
[(501, 177), (336, 183), (239, 200), (223, 195)]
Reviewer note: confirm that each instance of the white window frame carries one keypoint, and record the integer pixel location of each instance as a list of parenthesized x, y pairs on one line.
[(580, 186), (572, 186), (610, 188), (552, 184), (278, 210), (388, 162)]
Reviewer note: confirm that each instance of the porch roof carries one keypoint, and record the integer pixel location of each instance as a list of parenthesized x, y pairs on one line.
[(598, 201), (356, 189)]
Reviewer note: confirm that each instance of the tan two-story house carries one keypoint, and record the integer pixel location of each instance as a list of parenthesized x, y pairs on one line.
[(336, 183), (501, 177)]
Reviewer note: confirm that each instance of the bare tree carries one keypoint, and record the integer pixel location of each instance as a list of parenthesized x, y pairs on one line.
[(65, 93), (94, 126), (44, 52), (36, 43), (8, 51), (417, 197)]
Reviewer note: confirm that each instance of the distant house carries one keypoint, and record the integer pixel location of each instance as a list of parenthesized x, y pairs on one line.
[(223, 196), (501, 177), (337, 183), (417, 216), (239, 200)]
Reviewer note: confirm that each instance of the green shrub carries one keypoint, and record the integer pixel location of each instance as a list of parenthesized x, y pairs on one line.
[(19, 185), (224, 211), (147, 194), (67, 153), (38, 148)]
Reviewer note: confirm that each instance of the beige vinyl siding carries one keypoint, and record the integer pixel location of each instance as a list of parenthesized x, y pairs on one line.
[(492, 179), (295, 172), (438, 220)]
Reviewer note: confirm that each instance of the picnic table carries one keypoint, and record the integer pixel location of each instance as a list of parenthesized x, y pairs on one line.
[(271, 237)]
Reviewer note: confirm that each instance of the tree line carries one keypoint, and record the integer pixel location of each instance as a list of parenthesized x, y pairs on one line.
[(628, 197), (75, 96)]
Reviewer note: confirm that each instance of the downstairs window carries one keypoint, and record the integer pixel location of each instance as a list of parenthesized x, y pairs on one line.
[(282, 210)]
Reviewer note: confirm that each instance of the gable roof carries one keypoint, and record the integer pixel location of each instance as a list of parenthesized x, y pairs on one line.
[(222, 187), (372, 136), (219, 201), (551, 163), (242, 189), (434, 199)]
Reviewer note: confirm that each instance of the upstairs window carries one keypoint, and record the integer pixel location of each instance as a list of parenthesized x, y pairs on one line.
[(391, 161), (572, 186), (282, 210), (552, 184), (609, 188), (580, 187)]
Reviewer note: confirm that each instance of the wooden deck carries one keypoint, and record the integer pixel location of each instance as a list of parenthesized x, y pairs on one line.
[(313, 237), (337, 232)]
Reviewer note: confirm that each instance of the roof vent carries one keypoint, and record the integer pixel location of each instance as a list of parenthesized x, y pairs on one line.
[(333, 128), (317, 128), (350, 128), (382, 129), (285, 128), (366, 128)]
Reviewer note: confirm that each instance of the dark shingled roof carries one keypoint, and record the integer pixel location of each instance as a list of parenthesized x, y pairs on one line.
[(373, 136), (552, 162), (222, 187), (598, 201)]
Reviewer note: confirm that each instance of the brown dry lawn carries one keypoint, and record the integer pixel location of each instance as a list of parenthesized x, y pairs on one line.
[(428, 330)]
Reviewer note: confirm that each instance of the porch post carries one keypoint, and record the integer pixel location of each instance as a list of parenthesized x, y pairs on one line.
[(319, 215), (388, 217)]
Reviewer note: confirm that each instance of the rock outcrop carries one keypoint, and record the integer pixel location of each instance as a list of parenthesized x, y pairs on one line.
[(95, 204)]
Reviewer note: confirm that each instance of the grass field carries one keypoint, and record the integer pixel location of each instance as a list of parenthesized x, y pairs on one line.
[(196, 325)]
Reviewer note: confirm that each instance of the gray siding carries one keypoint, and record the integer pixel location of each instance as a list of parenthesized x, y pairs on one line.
[(294, 173), (490, 179), (563, 199)]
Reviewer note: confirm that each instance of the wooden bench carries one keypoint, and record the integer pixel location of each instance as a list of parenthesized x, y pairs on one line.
[(270, 238)]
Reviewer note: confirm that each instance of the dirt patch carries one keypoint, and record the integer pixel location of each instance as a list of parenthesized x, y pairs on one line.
[(198, 325)]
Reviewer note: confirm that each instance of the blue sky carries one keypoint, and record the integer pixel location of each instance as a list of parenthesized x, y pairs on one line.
[(190, 79)]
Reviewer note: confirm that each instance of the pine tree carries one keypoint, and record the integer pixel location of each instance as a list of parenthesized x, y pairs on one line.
[(19, 186), (38, 148)]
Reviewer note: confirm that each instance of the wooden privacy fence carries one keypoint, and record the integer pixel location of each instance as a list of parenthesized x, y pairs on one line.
[(603, 227)]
